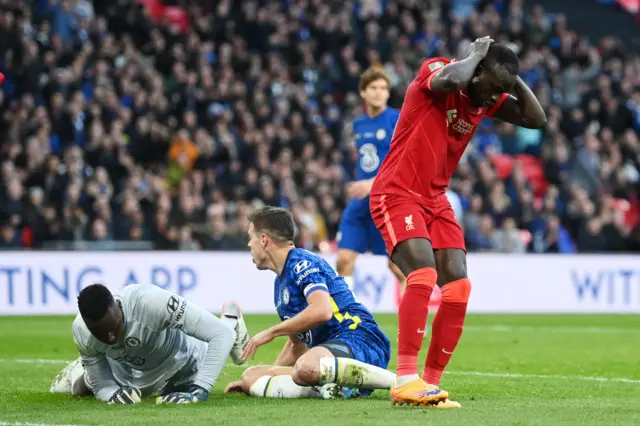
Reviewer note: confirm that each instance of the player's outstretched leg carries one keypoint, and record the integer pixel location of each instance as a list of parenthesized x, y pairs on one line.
[(268, 381), (319, 366), (271, 382), (416, 260), (232, 315), (449, 320)]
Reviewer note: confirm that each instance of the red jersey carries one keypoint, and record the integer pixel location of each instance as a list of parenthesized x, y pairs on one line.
[(432, 133)]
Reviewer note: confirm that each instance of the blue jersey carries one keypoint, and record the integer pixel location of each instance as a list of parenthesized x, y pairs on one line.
[(373, 138), (305, 273)]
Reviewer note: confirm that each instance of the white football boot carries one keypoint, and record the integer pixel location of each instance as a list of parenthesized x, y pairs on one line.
[(63, 383), (231, 309), (334, 391)]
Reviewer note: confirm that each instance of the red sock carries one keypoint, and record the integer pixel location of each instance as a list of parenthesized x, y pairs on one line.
[(412, 317), (446, 328)]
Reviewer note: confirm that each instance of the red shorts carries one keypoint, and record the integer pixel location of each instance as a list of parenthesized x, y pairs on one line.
[(402, 218)]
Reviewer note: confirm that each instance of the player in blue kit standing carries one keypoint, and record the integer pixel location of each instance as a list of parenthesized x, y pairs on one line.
[(334, 345), (372, 132)]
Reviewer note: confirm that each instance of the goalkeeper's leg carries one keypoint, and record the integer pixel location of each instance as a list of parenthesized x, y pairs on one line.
[(71, 380)]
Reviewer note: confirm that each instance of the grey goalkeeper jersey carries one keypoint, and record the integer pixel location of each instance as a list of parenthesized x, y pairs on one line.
[(166, 341)]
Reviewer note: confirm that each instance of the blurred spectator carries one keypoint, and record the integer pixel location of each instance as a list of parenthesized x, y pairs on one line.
[(116, 126), (9, 238), (507, 239), (482, 237)]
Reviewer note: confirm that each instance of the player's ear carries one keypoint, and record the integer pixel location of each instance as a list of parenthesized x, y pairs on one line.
[(264, 239)]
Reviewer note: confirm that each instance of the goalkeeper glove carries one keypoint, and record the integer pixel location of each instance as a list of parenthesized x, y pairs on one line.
[(125, 395), (194, 394)]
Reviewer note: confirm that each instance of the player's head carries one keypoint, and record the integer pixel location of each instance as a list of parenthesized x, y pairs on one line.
[(495, 75), (374, 87), (101, 313), (270, 228)]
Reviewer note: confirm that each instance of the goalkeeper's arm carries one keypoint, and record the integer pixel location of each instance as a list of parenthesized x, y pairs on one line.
[(97, 371), (164, 310), (99, 376)]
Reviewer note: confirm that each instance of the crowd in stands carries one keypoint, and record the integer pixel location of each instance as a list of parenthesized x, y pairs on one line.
[(133, 121)]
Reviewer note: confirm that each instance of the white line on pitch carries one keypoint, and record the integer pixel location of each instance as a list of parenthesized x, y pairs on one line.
[(456, 373), (543, 329), (62, 361), (543, 376), (3, 423), (548, 329), (33, 361)]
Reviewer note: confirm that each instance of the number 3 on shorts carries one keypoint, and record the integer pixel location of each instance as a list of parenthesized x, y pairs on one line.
[(344, 317)]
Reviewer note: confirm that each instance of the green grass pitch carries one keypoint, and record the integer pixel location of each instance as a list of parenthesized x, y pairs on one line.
[(508, 370)]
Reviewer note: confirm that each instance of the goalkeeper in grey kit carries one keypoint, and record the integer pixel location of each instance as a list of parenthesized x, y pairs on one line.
[(145, 340)]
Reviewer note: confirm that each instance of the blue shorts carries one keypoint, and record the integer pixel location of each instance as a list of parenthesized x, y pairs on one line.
[(357, 231), (368, 345)]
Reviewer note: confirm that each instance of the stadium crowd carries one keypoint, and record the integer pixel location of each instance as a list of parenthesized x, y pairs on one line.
[(118, 125)]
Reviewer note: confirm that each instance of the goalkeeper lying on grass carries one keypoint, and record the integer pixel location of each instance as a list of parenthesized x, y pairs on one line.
[(146, 341)]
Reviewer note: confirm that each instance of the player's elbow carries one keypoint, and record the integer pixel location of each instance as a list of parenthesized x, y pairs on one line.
[(534, 117), (327, 315), (540, 121), (324, 314), (537, 122)]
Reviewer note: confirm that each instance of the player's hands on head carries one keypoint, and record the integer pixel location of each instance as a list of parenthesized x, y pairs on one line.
[(234, 387), (256, 341), (194, 395), (126, 395), (480, 46)]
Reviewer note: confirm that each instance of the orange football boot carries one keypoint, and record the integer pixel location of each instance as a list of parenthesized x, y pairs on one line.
[(418, 392)]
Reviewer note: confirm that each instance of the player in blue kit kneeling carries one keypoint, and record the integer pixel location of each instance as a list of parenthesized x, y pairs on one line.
[(334, 346)]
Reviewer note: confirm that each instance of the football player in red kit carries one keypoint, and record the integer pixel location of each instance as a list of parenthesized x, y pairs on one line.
[(442, 108)]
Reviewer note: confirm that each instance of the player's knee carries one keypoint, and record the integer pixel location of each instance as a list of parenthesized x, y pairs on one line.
[(79, 388), (456, 292), (345, 263), (306, 373), (451, 265), (451, 272)]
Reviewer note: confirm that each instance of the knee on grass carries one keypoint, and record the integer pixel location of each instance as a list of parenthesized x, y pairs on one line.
[(79, 387)]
